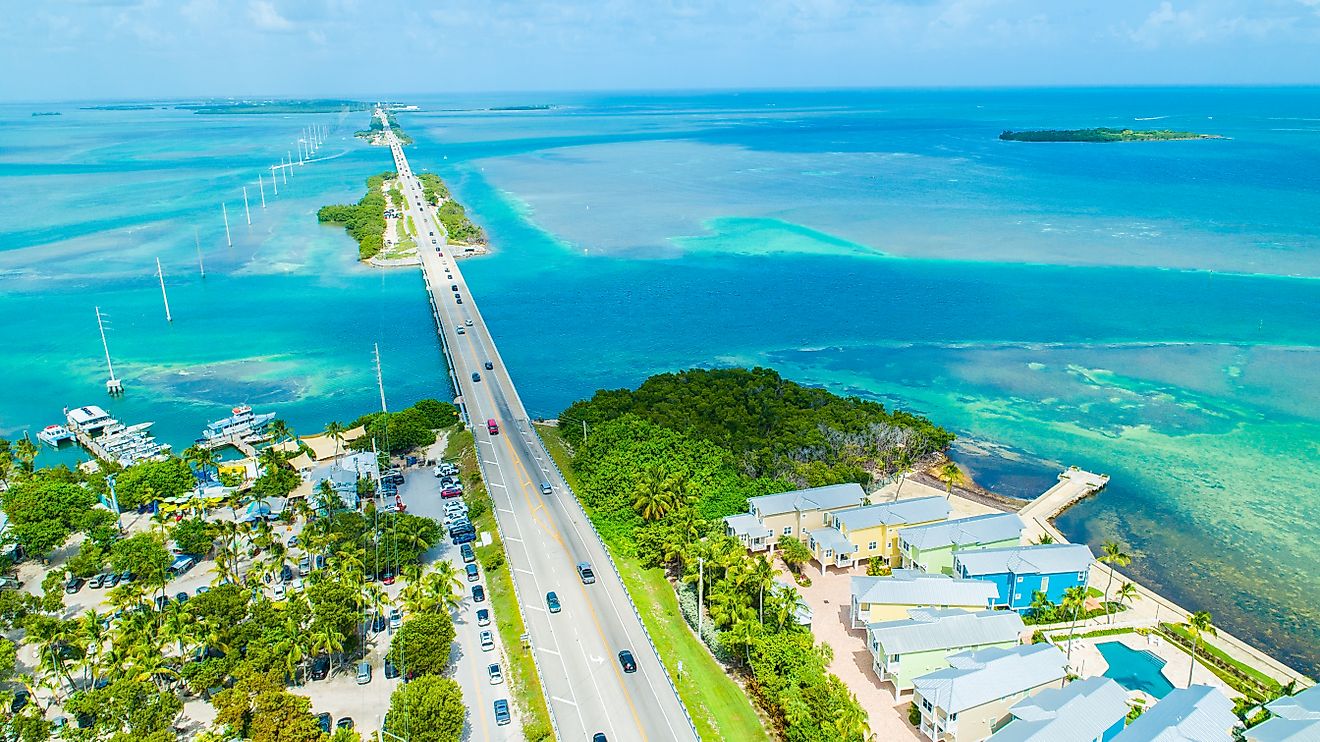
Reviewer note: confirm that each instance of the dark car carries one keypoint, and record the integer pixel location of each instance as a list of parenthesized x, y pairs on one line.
[(458, 301), (466, 537), (161, 602), (73, 585), (378, 623), (478, 594), (454, 287), (324, 721), (181, 597), (393, 478), (552, 602), (468, 555), (391, 670), (489, 366), (345, 722), (627, 661), (502, 716), (598, 737), (320, 667), (21, 699), (472, 574), (286, 573), (476, 376), (111, 580)]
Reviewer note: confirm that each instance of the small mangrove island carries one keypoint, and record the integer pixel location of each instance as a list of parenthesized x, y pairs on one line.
[(364, 220), (250, 107), (374, 133), (1103, 135)]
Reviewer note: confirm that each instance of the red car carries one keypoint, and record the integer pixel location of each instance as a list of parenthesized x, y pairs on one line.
[(449, 492)]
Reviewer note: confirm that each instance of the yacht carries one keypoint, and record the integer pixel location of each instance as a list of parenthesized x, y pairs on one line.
[(243, 425)]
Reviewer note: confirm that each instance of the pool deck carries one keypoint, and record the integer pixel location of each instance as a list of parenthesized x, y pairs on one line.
[(1088, 662)]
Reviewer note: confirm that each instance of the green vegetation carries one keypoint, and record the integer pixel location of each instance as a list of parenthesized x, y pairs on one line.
[(47, 507), (718, 706), (375, 128), (397, 432), (1102, 135), (433, 188), (365, 220), (428, 709), (524, 684), (321, 105), (1044, 612), (457, 224), (771, 427), (1240, 676), (657, 469)]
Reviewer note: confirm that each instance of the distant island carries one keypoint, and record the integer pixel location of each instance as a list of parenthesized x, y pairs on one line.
[(1103, 135), (119, 107), (541, 107), (46, 113), (248, 107)]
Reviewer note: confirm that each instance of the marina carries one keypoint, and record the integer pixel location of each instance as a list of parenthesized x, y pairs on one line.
[(107, 438), (54, 435), (243, 429)]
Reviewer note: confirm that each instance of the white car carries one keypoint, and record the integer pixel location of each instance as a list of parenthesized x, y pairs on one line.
[(279, 591), (487, 641), (396, 619), (467, 322), (496, 676)]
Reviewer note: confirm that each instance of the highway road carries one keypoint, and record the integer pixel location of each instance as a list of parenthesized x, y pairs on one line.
[(546, 535)]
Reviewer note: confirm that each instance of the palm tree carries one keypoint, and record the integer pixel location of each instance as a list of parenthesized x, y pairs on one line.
[(745, 634), (279, 430), (178, 627), (785, 602), (1127, 593), (328, 641), (653, 496), (25, 451), (1074, 599), (1041, 605), (1044, 538), (1198, 625), (850, 721), (950, 473), (763, 576), (336, 430), (444, 585), (1113, 556), (202, 458), (270, 459)]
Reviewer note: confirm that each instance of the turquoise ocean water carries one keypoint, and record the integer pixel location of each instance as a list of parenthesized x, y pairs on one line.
[(1145, 310)]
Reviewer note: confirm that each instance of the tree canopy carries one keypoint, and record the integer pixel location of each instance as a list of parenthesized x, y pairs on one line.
[(146, 481), (433, 708), (43, 512), (422, 646)]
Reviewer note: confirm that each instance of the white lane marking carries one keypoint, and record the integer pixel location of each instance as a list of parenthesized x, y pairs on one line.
[(496, 484), (524, 571), (547, 651), (563, 700), (489, 463), (505, 510), (513, 540), (535, 607)]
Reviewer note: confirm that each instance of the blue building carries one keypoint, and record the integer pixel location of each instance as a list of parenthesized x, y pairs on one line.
[(1019, 572)]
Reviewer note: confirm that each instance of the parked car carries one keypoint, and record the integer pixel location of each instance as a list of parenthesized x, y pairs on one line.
[(552, 602), (320, 667), (305, 566), (466, 537), (391, 671), (472, 573), (487, 641), (468, 555), (161, 602), (494, 673), (111, 580), (73, 585), (483, 617), (21, 699), (388, 576), (324, 721), (293, 542), (584, 571), (286, 573), (396, 619), (627, 660), (478, 594), (364, 672), (394, 477), (204, 589), (345, 722), (449, 492), (279, 591), (378, 623), (96, 581), (502, 716), (126, 577)]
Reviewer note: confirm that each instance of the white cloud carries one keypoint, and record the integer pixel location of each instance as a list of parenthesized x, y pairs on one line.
[(266, 17)]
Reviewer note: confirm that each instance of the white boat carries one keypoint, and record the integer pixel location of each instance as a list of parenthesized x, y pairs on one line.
[(54, 435), (243, 425), (107, 438)]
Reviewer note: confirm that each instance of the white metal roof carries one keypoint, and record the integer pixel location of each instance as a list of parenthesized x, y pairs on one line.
[(928, 629), (976, 678), (1078, 712), (817, 498), (832, 538), (1044, 559), (979, 529), (916, 510), (1196, 714), (746, 524), (1295, 719), (908, 587)]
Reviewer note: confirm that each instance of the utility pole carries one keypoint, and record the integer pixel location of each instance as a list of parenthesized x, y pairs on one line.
[(246, 210), (224, 211), (161, 275), (701, 582), (198, 241), (262, 187)]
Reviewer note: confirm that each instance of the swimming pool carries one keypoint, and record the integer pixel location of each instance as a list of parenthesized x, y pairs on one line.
[(1134, 669)]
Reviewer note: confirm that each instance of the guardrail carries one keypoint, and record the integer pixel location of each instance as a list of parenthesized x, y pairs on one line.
[(631, 604)]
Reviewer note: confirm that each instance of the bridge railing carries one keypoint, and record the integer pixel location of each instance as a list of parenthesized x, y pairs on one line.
[(631, 603)]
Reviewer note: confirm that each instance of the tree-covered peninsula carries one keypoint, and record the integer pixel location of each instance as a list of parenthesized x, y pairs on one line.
[(364, 220), (1103, 135)]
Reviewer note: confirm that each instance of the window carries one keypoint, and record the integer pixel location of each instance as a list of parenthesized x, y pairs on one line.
[(1081, 577), (871, 546), (926, 705), (1019, 579), (829, 552), (788, 530), (1017, 596), (1045, 584)]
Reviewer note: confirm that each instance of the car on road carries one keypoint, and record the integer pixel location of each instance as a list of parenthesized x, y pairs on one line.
[(478, 594), (73, 585), (502, 716), (467, 322), (483, 617), (345, 722), (468, 555), (320, 667), (458, 301), (391, 670), (363, 673), (476, 376), (324, 721), (552, 602), (546, 489), (454, 287), (96, 581), (396, 619), (487, 640), (279, 591), (494, 673), (599, 737), (586, 573), (465, 537), (461, 331), (492, 426), (489, 366), (627, 660), (473, 574)]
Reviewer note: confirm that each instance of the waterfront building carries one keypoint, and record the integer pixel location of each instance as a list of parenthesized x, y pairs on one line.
[(1090, 710), (1020, 572), (906, 649), (930, 548), (1292, 719), (790, 513), (857, 534), (970, 699), (889, 598), (1196, 714)]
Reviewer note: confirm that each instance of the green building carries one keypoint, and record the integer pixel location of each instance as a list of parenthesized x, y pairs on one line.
[(930, 548), (906, 649)]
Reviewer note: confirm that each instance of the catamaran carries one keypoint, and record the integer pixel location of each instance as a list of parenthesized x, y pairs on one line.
[(54, 435)]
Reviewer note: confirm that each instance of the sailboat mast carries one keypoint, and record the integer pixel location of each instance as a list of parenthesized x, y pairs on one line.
[(112, 385), (380, 382)]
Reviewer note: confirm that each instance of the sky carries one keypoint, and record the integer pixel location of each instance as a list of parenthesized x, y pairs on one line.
[(140, 49)]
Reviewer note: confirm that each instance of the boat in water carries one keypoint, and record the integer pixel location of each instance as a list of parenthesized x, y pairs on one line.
[(242, 426), (54, 435), (106, 438)]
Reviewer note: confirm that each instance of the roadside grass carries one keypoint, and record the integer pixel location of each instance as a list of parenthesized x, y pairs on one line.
[(718, 705), (1216, 660), (523, 680)]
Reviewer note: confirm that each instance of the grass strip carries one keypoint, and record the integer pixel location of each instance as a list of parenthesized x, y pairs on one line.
[(718, 705), (523, 680)]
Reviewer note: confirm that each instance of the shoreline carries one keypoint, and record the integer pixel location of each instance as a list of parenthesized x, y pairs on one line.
[(1166, 610)]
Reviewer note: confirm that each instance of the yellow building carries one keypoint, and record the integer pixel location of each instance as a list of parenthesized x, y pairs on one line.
[(889, 598), (856, 534), (791, 514)]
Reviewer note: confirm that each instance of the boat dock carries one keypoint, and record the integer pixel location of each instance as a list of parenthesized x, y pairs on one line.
[(1074, 485), (106, 438)]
